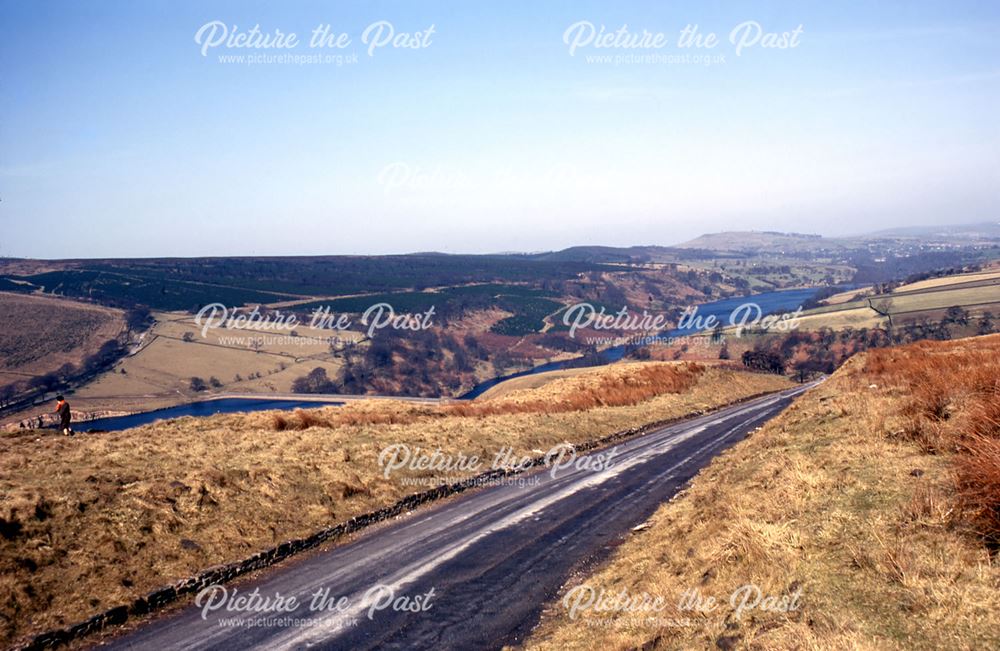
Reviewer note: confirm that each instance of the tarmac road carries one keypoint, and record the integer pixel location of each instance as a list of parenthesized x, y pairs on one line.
[(476, 569)]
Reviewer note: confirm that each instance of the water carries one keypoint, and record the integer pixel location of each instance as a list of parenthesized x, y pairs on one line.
[(769, 302), (202, 408)]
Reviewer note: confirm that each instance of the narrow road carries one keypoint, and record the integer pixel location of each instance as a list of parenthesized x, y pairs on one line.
[(492, 558)]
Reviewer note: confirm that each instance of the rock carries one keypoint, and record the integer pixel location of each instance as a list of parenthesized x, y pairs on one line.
[(727, 642), (916, 472)]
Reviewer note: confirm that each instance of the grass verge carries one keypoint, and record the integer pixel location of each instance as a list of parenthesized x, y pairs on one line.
[(870, 504), (96, 521)]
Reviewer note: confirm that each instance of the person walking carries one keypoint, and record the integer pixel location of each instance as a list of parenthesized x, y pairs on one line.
[(62, 408)]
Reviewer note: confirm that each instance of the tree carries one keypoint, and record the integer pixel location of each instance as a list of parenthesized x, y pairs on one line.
[(986, 323), (474, 347), (109, 352), (137, 318), (316, 381), (45, 383), (767, 362), (380, 351), (198, 384), (806, 367), (66, 371), (462, 362), (957, 315), (642, 353), (215, 382), (7, 394), (724, 351), (717, 333)]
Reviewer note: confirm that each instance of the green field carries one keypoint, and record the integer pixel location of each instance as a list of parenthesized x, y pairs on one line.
[(976, 293)]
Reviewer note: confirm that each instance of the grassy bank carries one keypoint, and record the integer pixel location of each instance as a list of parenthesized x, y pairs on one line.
[(98, 520), (874, 498)]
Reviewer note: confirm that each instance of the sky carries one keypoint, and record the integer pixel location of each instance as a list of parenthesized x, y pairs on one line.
[(160, 128)]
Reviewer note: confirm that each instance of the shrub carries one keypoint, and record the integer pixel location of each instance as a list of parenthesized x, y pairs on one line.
[(978, 477)]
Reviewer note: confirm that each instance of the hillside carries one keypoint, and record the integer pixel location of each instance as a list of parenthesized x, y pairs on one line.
[(767, 241), (981, 231), (492, 315), (976, 293), (41, 335), (798, 243), (866, 515)]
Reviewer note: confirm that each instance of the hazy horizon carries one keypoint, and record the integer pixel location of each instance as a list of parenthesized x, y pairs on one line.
[(126, 132), (461, 252)]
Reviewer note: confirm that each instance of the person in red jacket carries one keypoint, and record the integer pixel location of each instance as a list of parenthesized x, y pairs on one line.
[(62, 408)]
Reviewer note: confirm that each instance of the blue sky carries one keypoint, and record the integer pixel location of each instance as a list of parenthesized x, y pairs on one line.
[(119, 138)]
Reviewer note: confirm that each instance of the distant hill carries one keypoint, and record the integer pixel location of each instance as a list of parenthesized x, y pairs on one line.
[(797, 244), (762, 241), (611, 254), (982, 231), (907, 242)]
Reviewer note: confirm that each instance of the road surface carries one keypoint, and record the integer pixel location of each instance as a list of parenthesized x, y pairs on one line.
[(478, 568)]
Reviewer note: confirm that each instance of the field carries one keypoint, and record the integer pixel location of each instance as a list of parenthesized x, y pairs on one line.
[(944, 281), (848, 296), (39, 334), (97, 520), (160, 373), (977, 293), (874, 498), (861, 317)]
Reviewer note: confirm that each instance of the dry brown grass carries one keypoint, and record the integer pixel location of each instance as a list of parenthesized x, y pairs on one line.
[(626, 385), (978, 476), (616, 386), (950, 395), (38, 334), (96, 521), (877, 522)]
